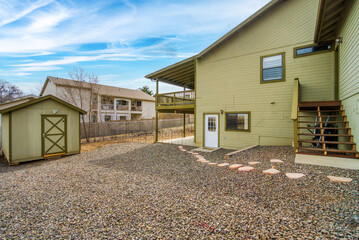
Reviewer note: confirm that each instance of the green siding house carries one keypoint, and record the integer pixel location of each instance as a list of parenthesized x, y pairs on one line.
[(40, 128), (287, 75)]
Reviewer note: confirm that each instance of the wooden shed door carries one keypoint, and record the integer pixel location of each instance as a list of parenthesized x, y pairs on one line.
[(54, 139)]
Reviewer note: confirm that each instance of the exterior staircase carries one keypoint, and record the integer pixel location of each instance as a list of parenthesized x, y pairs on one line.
[(323, 129)]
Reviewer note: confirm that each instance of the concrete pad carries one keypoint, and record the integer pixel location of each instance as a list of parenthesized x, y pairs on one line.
[(340, 179), (253, 163), (276, 161), (223, 164), (246, 169), (187, 141), (271, 171), (294, 175), (338, 162), (235, 166), (205, 150)]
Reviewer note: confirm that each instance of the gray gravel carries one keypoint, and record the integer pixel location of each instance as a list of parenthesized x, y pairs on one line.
[(126, 191)]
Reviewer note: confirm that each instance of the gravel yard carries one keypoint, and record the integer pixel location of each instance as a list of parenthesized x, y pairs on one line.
[(125, 191)]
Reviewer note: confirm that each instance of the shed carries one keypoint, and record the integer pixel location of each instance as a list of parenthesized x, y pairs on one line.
[(39, 129)]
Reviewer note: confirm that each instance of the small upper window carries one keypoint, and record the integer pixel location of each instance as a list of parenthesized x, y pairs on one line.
[(139, 103), (272, 68), (313, 49)]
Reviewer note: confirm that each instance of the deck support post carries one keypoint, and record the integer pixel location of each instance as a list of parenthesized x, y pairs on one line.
[(184, 125), (156, 131)]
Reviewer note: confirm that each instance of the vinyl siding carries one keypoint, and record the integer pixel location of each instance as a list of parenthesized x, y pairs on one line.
[(349, 65), (228, 79)]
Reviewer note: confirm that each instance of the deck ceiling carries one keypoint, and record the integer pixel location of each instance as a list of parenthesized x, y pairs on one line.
[(181, 74), (329, 16)]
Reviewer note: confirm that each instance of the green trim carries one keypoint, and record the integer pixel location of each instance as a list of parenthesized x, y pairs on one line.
[(336, 76), (45, 85), (156, 116), (283, 68), (320, 18), (80, 133), (10, 137), (312, 53), (204, 125), (180, 106), (295, 127), (195, 101), (41, 99), (164, 94), (238, 130)]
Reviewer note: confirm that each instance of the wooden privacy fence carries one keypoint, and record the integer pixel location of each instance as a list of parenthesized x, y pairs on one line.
[(102, 129)]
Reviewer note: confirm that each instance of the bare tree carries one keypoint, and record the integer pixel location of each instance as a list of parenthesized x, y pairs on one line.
[(9, 91), (37, 88), (83, 92)]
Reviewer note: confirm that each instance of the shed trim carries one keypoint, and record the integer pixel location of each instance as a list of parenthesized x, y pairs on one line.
[(41, 99)]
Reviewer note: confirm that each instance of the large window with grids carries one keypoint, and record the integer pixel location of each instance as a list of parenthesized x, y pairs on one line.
[(273, 68), (238, 121)]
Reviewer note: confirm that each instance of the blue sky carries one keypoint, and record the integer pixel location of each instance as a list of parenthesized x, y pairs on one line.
[(119, 41)]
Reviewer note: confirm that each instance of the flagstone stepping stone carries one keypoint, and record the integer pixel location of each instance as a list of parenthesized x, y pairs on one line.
[(222, 164), (340, 179), (193, 153), (246, 169), (294, 175), (235, 166), (253, 163), (212, 163), (271, 171), (276, 161), (204, 161)]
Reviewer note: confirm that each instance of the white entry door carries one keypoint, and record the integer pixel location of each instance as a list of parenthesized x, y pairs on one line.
[(211, 131)]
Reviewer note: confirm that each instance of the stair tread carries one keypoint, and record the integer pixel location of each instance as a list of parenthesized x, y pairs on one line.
[(326, 142), (331, 155), (324, 116), (323, 122), (333, 110), (339, 128), (320, 104), (333, 135), (327, 150)]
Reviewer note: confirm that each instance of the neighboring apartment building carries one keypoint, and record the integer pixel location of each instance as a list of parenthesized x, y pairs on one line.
[(108, 103), (281, 77)]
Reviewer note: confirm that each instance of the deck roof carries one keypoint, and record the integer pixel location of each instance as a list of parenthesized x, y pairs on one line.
[(181, 74), (329, 15)]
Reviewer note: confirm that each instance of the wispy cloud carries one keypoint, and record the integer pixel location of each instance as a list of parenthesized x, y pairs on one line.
[(48, 37), (11, 12)]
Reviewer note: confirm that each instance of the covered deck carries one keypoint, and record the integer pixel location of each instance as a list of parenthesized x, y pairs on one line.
[(181, 74)]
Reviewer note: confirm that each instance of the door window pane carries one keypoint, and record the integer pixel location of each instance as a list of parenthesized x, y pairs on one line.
[(211, 124)]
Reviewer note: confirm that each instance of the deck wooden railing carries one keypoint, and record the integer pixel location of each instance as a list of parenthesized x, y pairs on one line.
[(176, 98), (294, 115)]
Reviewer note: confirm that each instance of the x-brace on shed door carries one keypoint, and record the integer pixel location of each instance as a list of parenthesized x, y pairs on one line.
[(54, 138)]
